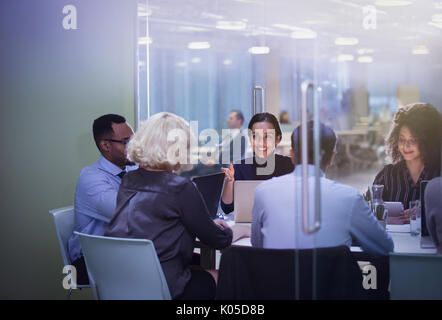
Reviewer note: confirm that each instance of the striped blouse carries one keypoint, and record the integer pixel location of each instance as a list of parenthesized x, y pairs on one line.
[(398, 184)]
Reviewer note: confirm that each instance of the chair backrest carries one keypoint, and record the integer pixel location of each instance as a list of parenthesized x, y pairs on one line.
[(415, 276), (121, 269), (64, 226), (248, 273)]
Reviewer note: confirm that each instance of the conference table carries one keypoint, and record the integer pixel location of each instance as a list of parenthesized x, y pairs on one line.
[(403, 243)]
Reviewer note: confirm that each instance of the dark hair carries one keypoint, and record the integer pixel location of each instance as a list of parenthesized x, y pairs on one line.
[(103, 126), (328, 143), (266, 117), (239, 115), (281, 117), (425, 124)]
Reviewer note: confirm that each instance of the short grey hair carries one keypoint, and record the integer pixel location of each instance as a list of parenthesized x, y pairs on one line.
[(162, 142)]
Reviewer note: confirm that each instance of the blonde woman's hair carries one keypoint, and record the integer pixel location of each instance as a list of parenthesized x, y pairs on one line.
[(162, 142)]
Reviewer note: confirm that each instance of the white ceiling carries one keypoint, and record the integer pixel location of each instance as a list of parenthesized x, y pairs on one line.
[(174, 23)]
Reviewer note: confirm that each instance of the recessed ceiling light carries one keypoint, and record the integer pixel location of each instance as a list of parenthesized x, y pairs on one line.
[(365, 59), (435, 24), (345, 57), (198, 45), (304, 34), (392, 3), (211, 15), (196, 60), (191, 29), (346, 41), (181, 64), (420, 50), (144, 40), (259, 50), (227, 62), (283, 26), (365, 51), (231, 25)]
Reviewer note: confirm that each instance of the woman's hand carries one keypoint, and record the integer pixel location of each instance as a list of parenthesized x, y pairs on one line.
[(230, 173), (221, 223), (405, 216)]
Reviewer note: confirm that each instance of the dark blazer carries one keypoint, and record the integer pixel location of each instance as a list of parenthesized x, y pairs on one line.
[(169, 210), (248, 168)]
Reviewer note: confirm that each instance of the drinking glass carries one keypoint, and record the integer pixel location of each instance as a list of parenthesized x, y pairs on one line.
[(415, 217)]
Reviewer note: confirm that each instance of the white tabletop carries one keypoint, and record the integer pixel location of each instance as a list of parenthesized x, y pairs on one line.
[(403, 241)]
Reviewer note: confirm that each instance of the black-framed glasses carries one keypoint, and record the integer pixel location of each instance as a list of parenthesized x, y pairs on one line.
[(125, 141)]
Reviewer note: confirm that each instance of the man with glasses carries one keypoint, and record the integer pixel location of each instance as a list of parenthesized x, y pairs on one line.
[(98, 184)]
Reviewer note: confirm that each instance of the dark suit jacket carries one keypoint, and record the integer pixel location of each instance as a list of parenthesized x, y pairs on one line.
[(169, 210)]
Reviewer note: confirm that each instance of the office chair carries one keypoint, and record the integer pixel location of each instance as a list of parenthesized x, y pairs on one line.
[(248, 273), (123, 269), (64, 226)]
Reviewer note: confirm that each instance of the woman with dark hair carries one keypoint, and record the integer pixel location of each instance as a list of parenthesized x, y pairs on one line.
[(264, 134), (414, 145)]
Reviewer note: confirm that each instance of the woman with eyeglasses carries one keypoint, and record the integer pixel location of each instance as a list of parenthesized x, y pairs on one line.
[(414, 146)]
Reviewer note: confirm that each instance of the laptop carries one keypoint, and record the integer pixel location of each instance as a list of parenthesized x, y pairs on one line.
[(243, 197), (210, 187), (426, 241)]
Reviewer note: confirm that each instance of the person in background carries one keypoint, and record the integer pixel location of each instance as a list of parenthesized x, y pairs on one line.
[(234, 144), (265, 134), (277, 210), (284, 118), (414, 145), (97, 185), (433, 211), (157, 204)]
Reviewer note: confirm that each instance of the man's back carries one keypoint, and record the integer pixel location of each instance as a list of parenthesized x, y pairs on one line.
[(277, 216), (433, 207)]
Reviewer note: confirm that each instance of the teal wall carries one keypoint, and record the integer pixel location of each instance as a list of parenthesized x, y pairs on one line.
[(53, 83)]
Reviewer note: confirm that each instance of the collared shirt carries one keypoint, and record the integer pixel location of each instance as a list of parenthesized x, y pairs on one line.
[(95, 200), (399, 185), (277, 216)]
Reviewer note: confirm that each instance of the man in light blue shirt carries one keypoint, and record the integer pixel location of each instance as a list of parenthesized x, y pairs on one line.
[(98, 184), (277, 212)]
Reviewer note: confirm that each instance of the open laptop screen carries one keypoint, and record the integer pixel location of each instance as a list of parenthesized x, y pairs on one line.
[(210, 187)]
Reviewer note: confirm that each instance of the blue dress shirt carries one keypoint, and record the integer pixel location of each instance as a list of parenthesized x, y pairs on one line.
[(95, 201), (277, 216)]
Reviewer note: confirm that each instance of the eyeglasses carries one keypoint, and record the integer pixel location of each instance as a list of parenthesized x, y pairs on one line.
[(411, 142), (125, 141)]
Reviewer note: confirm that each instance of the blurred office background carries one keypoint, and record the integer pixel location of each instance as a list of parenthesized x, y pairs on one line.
[(198, 59)]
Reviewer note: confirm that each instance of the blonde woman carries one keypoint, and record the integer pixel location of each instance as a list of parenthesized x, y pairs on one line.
[(157, 204)]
